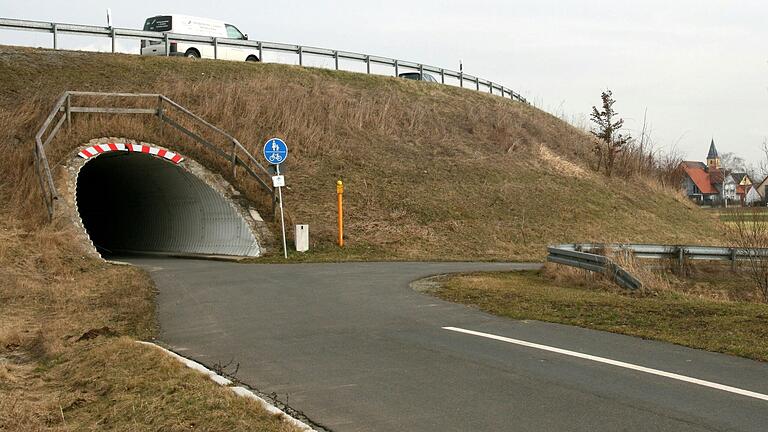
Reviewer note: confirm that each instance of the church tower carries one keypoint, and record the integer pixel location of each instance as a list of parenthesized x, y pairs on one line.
[(713, 159)]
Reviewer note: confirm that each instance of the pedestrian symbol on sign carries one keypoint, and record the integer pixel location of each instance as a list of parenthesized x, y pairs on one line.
[(275, 151)]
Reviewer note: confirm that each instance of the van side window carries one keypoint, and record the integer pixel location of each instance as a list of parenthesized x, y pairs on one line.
[(233, 32), (158, 23)]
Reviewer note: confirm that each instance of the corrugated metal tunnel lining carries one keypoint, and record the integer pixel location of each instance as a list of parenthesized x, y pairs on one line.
[(141, 203)]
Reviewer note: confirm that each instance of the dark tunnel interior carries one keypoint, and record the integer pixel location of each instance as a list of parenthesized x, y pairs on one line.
[(139, 203)]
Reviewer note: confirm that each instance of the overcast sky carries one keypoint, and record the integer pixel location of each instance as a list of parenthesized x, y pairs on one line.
[(700, 68)]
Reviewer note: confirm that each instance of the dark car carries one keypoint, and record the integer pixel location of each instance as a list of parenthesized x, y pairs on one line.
[(417, 76)]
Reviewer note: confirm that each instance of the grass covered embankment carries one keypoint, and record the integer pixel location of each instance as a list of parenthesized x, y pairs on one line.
[(431, 172), (711, 310)]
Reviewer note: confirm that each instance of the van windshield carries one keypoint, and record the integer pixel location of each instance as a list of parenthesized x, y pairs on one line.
[(158, 24), (233, 32)]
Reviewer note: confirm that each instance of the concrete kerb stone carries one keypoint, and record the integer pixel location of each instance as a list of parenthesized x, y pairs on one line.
[(238, 390)]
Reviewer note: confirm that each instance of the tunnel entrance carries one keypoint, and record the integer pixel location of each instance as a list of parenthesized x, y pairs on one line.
[(137, 202)]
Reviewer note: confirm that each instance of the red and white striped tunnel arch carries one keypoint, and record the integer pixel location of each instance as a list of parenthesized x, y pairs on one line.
[(136, 148)]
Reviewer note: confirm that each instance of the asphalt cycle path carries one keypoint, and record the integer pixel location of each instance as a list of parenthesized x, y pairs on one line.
[(354, 348)]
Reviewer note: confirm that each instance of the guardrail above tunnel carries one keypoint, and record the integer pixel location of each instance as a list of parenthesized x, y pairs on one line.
[(115, 33)]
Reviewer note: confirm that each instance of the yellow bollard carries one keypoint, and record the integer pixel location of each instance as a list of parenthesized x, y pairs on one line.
[(340, 195)]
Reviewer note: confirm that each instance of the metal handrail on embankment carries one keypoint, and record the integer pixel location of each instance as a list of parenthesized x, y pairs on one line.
[(167, 38), (64, 108), (594, 263), (587, 256)]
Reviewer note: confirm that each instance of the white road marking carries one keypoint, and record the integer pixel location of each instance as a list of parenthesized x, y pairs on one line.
[(617, 363), (240, 391)]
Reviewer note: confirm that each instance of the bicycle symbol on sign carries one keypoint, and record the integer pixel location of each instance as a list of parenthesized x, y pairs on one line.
[(275, 151)]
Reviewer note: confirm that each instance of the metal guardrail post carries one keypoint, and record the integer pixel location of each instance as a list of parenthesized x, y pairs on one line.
[(167, 45), (55, 31), (68, 111), (261, 53), (421, 70), (301, 55), (336, 59), (461, 79), (490, 87), (274, 204), (397, 69), (477, 84), (160, 108), (733, 259), (215, 48), (442, 76), (161, 116), (234, 159), (114, 40)]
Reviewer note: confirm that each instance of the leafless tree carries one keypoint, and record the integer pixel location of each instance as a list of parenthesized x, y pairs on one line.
[(733, 162), (750, 232), (763, 164)]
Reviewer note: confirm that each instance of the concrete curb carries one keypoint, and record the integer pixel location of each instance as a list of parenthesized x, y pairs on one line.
[(238, 390)]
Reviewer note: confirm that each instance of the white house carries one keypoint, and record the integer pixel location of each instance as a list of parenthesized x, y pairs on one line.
[(761, 187), (753, 196)]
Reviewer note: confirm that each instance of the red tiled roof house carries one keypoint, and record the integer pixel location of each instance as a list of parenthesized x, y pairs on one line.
[(707, 183)]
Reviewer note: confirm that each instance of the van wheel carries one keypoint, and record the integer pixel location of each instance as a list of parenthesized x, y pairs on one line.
[(192, 53), (252, 58)]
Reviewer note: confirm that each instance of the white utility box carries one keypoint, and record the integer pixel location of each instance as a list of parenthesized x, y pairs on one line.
[(302, 238)]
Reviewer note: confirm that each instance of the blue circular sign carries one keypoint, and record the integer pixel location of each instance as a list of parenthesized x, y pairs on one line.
[(275, 151)]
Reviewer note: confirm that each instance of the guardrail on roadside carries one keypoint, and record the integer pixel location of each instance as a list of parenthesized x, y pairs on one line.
[(677, 252), (232, 152), (594, 263), (115, 33), (587, 256)]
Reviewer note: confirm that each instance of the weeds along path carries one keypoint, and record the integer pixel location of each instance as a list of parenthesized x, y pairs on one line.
[(68, 356)]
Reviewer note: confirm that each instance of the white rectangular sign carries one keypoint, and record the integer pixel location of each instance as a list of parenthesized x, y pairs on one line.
[(278, 181)]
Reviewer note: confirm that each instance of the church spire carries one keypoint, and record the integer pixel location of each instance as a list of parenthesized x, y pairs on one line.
[(713, 159)]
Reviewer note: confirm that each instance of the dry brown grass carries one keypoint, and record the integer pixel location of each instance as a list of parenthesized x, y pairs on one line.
[(479, 188), (653, 281), (711, 281), (68, 356)]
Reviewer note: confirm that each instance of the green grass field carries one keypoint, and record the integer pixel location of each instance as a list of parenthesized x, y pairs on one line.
[(756, 217), (694, 318)]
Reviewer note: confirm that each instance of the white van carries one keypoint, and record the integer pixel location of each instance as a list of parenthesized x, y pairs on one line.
[(188, 25)]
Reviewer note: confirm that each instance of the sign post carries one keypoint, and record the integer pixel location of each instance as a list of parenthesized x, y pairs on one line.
[(275, 152), (340, 202)]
